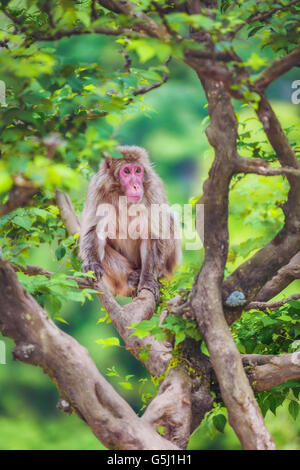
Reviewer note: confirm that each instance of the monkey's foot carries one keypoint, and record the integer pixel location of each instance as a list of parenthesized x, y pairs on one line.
[(134, 278), (95, 267), (153, 286)]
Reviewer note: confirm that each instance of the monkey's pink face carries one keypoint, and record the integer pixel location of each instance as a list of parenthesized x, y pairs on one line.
[(131, 177)]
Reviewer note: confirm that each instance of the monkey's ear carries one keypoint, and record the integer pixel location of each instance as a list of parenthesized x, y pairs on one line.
[(108, 163)]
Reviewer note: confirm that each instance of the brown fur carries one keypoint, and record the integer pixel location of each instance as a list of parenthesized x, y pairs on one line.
[(127, 265)]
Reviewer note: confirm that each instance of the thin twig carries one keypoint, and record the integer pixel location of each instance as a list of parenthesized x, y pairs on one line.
[(165, 77), (271, 305)]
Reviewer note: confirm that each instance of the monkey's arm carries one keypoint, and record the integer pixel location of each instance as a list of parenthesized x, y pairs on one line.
[(90, 252), (150, 267)]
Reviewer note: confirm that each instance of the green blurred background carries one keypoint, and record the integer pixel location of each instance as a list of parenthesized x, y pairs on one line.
[(172, 129)]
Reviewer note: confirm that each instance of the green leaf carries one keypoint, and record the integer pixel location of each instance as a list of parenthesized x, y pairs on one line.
[(144, 355), (204, 349), (201, 21), (6, 181), (113, 341), (219, 421), (295, 304), (286, 318), (75, 296), (143, 48), (141, 333), (256, 62), (60, 252), (52, 304), (24, 222), (179, 337), (126, 385), (62, 320), (293, 409), (295, 344), (104, 319)]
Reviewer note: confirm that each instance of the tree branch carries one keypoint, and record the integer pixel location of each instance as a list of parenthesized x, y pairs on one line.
[(174, 393), (82, 282), (261, 167), (271, 305), (277, 68), (206, 302), (142, 21), (214, 56), (165, 77), (281, 280), (269, 371), (266, 15), (66, 33)]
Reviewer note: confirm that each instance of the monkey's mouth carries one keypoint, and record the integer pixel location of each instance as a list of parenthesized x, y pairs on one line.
[(135, 198)]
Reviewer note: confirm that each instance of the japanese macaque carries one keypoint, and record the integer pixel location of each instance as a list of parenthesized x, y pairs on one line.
[(129, 234)]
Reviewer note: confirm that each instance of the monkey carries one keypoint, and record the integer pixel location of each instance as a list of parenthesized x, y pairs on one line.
[(128, 262)]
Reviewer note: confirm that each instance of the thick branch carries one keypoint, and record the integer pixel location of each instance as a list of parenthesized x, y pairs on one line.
[(206, 302), (174, 394), (68, 364), (276, 136), (142, 21), (273, 370), (281, 280), (214, 56), (277, 68), (261, 167)]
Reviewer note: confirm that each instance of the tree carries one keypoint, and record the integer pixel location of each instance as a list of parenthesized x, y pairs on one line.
[(47, 133)]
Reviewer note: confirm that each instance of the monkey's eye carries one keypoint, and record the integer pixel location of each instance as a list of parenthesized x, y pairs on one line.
[(127, 171), (138, 170)]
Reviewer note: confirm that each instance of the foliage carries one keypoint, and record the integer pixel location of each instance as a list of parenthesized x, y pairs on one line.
[(272, 332), (269, 332)]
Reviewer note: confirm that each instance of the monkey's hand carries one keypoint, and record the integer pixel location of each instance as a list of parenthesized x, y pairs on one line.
[(150, 283), (94, 266)]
